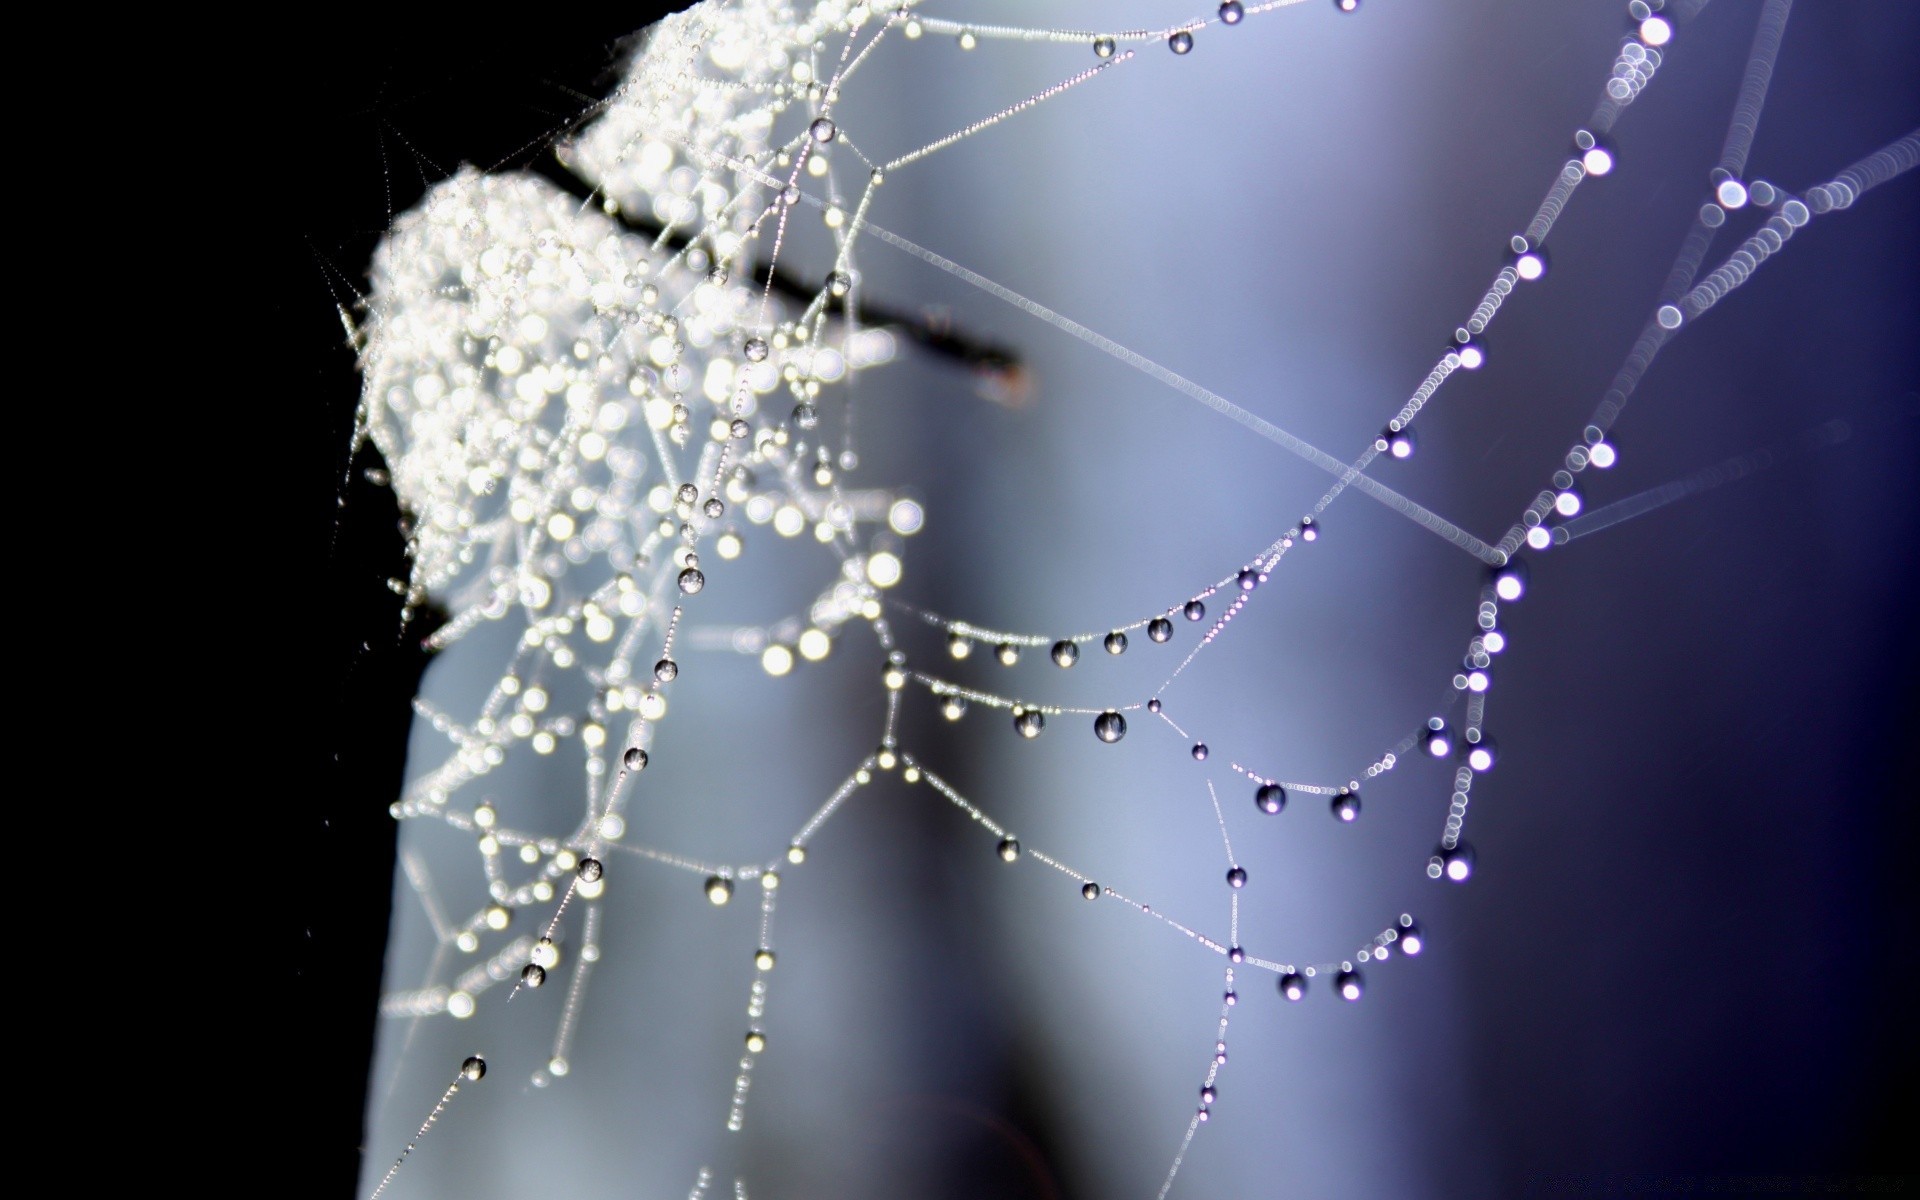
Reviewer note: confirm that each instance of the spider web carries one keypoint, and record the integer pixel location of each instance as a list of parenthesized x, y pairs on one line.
[(1028, 584)]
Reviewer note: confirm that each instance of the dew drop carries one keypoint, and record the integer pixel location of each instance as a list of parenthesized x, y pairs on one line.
[(1029, 722), (1236, 955), (1116, 642), (1181, 42), (545, 953), (1195, 611), (533, 975), (1349, 984), (823, 129), (719, 890), (1346, 807), (1065, 654), (959, 646), (1457, 864), (1207, 1094), (1231, 12), (474, 1069), (1103, 47), (589, 870), (763, 959), (1089, 890), (1270, 798), (1237, 878), (1160, 629), (1411, 940), (756, 349), (756, 1041), (1007, 653), (1248, 579), (953, 708), (1154, 706), (1110, 726), (1293, 985), (1199, 752), (691, 580), (635, 760), (666, 671)]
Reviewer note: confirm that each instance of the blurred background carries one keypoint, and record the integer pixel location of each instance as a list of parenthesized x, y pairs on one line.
[(1685, 951)]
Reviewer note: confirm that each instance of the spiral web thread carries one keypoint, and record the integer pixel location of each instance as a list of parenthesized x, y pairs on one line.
[(575, 415)]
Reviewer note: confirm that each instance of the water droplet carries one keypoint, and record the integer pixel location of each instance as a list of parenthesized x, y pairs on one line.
[(1199, 752), (1437, 741), (1270, 798), (1007, 653), (1009, 849), (839, 283), (691, 580), (589, 870), (719, 890), (953, 708), (1480, 755), (533, 975), (1110, 726), (1248, 579), (1236, 955), (756, 1041), (1397, 442), (806, 415), (1457, 864), (1207, 1094), (635, 758), (1160, 629), (756, 349), (1180, 42), (1029, 722), (1293, 985), (763, 959), (1116, 642), (1510, 581), (823, 129), (1346, 807), (666, 671), (1231, 12), (714, 507), (545, 953), (1195, 611), (1349, 984), (1346, 6), (1411, 940), (1237, 878), (1089, 890), (687, 493), (1065, 654), (1153, 706), (474, 1069), (1103, 47)]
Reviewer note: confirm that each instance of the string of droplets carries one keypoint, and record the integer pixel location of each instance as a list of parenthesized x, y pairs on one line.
[(764, 179)]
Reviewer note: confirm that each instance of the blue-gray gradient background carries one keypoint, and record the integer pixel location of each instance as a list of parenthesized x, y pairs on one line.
[(1687, 948)]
